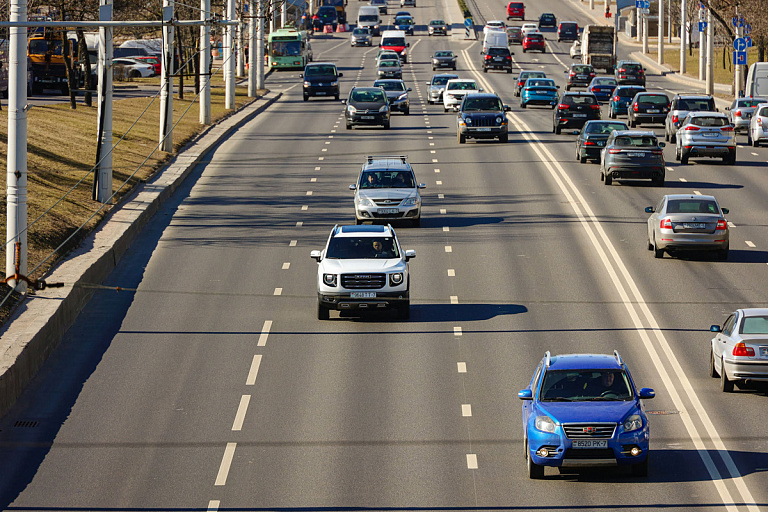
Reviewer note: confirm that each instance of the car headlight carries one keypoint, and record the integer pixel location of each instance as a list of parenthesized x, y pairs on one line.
[(402, 97), (334, 84), (307, 84), (634, 422), (351, 109), (544, 423), (384, 108), (396, 279), (412, 201), (468, 120), (499, 120), (329, 279), (365, 202)]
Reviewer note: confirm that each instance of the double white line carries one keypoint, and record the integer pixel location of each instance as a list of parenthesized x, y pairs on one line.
[(642, 319)]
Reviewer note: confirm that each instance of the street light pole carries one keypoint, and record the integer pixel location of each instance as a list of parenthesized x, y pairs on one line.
[(660, 31), (683, 35), (205, 63)]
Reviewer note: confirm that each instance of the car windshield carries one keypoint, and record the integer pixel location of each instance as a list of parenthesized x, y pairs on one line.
[(473, 104), (286, 48), (632, 68), (763, 111), (627, 93), (646, 141), (462, 86), (585, 386), (604, 81), (368, 96), (389, 64), (709, 121), (393, 41), (360, 31), (443, 54), (582, 69), (695, 104), (364, 247), (368, 17), (320, 71), (750, 103), (605, 128), (437, 22), (390, 86), (404, 21), (498, 51), (441, 80), (579, 100), (754, 325), (653, 99), (535, 37), (692, 206), (387, 179), (531, 74), (539, 82)]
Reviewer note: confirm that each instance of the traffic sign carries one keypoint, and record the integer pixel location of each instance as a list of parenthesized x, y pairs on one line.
[(647, 4), (735, 21), (747, 28), (749, 41), (468, 22), (645, 11), (740, 58), (702, 26), (638, 4), (739, 44)]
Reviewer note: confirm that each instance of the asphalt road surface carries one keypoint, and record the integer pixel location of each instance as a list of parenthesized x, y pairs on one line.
[(214, 387)]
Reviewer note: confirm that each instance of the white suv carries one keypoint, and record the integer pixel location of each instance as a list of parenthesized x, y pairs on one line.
[(387, 190), (363, 267)]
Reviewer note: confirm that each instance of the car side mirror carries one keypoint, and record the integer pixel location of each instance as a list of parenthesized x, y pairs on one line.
[(407, 44), (353, 187), (525, 394), (507, 108), (481, 89), (301, 75), (714, 328), (725, 211), (557, 86), (316, 255), (341, 75), (422, 185), (662, 144), (409, 89), (717, 110), (343, 102), (650, 209), (429, 83), (646, 394), (727, 109), (410, 254), (575, 132), (565, 71)]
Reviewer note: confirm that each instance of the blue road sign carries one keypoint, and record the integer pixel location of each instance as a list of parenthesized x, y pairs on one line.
[(735, 21), (702, 26), (647, 4), (638, 4), (468, 22), (739, 44), (749, 41), (747, 28), (740, 58)]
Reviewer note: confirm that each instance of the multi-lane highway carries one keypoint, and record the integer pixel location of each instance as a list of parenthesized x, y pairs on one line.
[(214, 386)]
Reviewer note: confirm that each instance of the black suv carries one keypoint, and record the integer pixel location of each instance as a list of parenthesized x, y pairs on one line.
[(648, 107), (567, 31), (629, 72), (580, 75), (497, 57), (547, 20), (321, 79), (367, 105), (680, 106), (482, 116), (575, 109)]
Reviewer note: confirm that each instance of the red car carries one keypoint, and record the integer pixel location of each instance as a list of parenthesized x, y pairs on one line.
[(534, 41), (516, 10), (151, 60)]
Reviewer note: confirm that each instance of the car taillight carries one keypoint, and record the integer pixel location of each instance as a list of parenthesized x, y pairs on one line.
[(721, 224), (634, 107), (589, 143), (615, 98), (593, 89), (726, 129), (737, 113), (519, 84), (674, 119), (614, 151), (665, 224), (562, 106), (742, 350), (487, 57), (592, 74), (690, 128), (657, 152), (509, 57), (640, 72), (595, 107), (622, 70), (571, 74)]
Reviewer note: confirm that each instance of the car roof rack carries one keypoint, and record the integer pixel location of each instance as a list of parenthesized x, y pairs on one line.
[(547, 358), (402, 158), (618, 358)]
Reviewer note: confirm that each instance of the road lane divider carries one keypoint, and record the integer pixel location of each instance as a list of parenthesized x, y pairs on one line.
[(240, 415), (254, 371), (226, 463), (268, 323)]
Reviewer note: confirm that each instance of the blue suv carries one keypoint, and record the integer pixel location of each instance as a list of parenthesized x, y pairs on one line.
[(582, 410)]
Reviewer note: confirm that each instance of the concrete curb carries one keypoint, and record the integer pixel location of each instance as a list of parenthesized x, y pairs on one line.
[(39, 323)]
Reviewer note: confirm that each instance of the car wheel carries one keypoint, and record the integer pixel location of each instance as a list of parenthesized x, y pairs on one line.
[(557, 130), (726, 385), (433, 68), (135, 74), (608, 180), (386, 125), (407, 111), (582, 159), (749, 139), (712, 370), (731, 160), (416, 223), (641, 469), (677, 153), (485, 69), (650, 245), (673, 137), (522, 105), (524, 50), (611, 115), (683, 157), (535, 472), (322, 312), (658, 181), (404, 311), (568, 87), (306, 98), (666, 135), (461, 137), (349, 126), (722, 254), (632, 123), (509, 71), (336, 97), (657, 253)]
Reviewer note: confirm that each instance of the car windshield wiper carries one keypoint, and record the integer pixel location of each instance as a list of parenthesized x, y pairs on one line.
[(606, 399), (559, 399)]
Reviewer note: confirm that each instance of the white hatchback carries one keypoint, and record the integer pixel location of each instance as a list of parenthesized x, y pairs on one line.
[(529, 27), (455, 90)]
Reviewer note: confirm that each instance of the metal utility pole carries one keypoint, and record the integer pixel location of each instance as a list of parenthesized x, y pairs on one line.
[(702, 48), (645, 33), (166, 80), (661, 33), (639, 20), (683, 35), (260, 48), (103, 188), (229, 98), (240, 48), (16, 170), (253, 11), (710, 75), (591, 4), (738, 70), (205, 63)]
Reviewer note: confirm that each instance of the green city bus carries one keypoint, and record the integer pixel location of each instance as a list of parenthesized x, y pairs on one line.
[(288, 48)]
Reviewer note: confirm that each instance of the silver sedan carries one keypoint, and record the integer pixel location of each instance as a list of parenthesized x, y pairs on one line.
[(739, 351), (758, 126), (682, 222), (740, 112)]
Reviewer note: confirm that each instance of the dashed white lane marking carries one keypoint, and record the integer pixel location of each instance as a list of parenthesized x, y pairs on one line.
[(446, 228), (430, 138), (471, 461), (431, 143), (299, 224), (333, 131), (466, 410), (454, 299), (305, 208), (254, 371), (441, 196), (312, 180), (451, 272), (267, 326), (327, 142), (461, 367), (434, 160), (697, 192), (731, 224), (293, 243), (442, 211), (309, 192), (321, 158), (683, 180), (448, 248), (213, 505), (286, 265), (330, 137), (438, 182), (278, 291), (749, 243), (437, 170), (457, 331), (754, 154), (240, 415), (670, 169), (432, 151), (324, 149), (317, 168), (226, 462), (429, 131)]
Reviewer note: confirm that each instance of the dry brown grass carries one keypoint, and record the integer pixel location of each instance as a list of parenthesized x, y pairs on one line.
[(61, 151)]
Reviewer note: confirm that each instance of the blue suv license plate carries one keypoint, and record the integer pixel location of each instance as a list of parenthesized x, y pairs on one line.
[(590, 443)]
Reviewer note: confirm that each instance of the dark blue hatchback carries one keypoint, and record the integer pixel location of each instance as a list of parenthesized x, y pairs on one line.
[(582, 410)]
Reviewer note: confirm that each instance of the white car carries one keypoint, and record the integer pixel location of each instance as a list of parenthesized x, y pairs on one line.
[(739, 350), (455, 90), (363, 268), (495, 25), (387, 190), (529, 27), (575, 50), (758, 126), (134, 68)]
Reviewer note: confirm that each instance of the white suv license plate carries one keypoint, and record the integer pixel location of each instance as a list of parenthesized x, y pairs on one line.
[(387, 211), (362, 295), (590, 443)]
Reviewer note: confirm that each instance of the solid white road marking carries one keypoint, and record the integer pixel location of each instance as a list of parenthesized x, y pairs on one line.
[(454, 299), (749, 243), (226, 462), (471, 461), (448, 248), (266, 327), (466, 410), (278, 291), (683, 180), (254, 371), (213, 505), (286, 265), (451, 272), (293, 243), (457, 331), (461, 367), (241, 410)]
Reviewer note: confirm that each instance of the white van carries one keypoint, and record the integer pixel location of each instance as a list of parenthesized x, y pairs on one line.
[(494, 38), (368, 17), (757, 80)]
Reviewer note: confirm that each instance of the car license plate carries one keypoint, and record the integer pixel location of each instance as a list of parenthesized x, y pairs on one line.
[(694, 225), (497, 59), (387, 211), (590, 443), (482, 129), (764, 352), (363, 295), (711, 134), (579, 115), (367, 117), (630, 77), (320, 93), (581, 77), (653, 111), (601, 143), (636, 154), (746, 115)]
